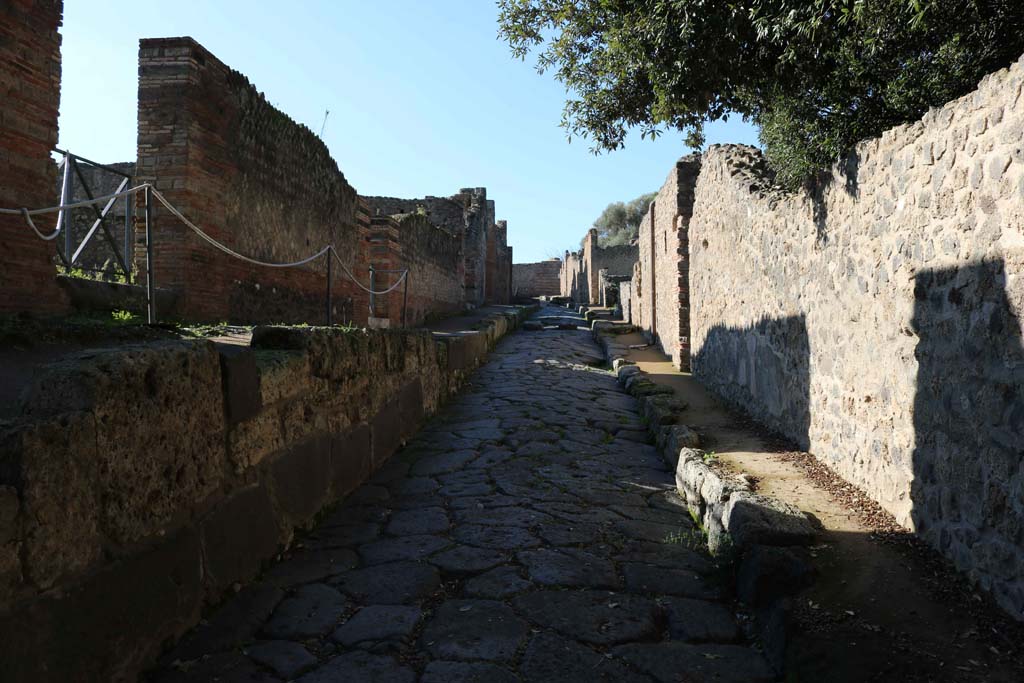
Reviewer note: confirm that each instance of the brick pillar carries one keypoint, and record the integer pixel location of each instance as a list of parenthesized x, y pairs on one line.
[(29, 100)]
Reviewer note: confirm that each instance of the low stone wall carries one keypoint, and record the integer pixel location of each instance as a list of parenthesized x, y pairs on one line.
[(141, 483), (876, 319)]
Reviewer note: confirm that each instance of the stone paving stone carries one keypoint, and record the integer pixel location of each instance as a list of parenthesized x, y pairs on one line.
[(653, 531), (312, 611), (286, 658), (466, 672), (234, 623), (669, 662), (233, 667), (549, 657), (568, 567), (496, 537), (474, 630), (509, 516), (378, 622), (433, 520), (444, 462), (363, 667), (343, 536), (644, 578), (465, 559), (413, 486), (403, 548), (597, 617), (310, 566), (699, 621), (395, 583), (565, 551), (569, 534), (500, 582)]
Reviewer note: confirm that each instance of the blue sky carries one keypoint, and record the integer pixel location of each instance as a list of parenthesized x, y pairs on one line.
[(424, 100)]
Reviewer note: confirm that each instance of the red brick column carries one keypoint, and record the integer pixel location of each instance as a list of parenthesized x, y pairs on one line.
[(29, 99)]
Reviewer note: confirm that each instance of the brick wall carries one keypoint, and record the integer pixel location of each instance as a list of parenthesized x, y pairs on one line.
[(250, 177), (470, 215), (663, 241), (537, 279), (433, 256), (29, 100)]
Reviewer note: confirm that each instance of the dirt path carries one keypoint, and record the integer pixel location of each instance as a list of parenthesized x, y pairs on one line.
[(883, 608), (528, 533)]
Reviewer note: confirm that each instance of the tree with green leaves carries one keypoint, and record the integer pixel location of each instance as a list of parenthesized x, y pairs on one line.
[(815, 75), (619, 223)]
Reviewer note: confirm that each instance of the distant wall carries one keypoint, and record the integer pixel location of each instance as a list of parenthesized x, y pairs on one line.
[(140, 484), (250, 177), (537, 279), (468, 214), (575, 277), (581, 271), (876, 319), (29, 98)]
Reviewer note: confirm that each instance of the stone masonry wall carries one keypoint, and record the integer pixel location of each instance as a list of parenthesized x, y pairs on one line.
[(29, 99), (574, 277), (877, 318), (250, 177), (537, 279), (499, 265), (140, 483), (662, 308)]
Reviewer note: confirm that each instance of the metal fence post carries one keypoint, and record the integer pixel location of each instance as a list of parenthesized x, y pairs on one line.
[(66, 213), (129, 235), (405, 297), (373, 307), (150, 289), (330, 254)]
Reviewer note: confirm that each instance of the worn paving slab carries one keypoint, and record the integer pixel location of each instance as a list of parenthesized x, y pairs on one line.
[(525, 534)]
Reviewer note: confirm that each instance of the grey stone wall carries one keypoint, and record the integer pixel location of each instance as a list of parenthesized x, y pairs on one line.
[(876, 318)]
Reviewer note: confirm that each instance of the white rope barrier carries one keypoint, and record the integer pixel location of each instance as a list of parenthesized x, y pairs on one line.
[(27, 215)]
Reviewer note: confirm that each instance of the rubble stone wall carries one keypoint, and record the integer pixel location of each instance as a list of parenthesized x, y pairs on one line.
[(29, 98), (140, 483), (499, 265), (877, 318), (250, 177), (537, 279)]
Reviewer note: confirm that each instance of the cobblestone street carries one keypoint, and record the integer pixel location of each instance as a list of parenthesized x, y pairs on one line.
[(526, 533)]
